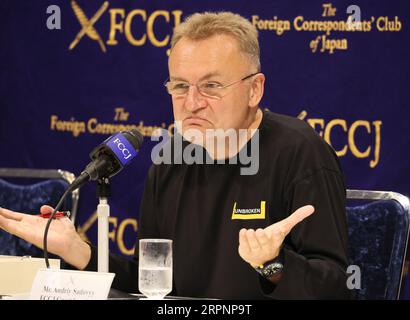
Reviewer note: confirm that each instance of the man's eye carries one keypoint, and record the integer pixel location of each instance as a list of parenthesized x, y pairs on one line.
[(180, 85), (211, 85)]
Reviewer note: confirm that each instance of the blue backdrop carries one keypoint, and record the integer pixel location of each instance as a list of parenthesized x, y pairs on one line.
[(59, 97)]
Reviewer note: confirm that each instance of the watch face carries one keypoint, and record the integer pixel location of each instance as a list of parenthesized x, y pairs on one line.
[(272, 269)]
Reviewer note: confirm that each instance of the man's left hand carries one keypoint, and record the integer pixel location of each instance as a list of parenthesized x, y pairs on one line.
[(260, 246)]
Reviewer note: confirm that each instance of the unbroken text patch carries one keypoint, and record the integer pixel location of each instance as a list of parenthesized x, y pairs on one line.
[(249, 213)]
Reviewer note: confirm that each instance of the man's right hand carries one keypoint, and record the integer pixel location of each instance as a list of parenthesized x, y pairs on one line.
[(62, 239)]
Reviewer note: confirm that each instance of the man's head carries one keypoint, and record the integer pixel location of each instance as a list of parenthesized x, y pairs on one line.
[(219, 53)]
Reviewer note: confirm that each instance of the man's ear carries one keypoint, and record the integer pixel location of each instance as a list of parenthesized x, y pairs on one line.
[(257, 89)]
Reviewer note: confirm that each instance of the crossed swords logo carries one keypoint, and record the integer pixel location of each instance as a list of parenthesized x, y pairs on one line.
[(88, 25)]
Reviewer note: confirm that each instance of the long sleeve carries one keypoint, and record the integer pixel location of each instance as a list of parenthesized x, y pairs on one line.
[(316, 249)]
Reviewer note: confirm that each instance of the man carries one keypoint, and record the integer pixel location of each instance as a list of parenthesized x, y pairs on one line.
[(208, 209)]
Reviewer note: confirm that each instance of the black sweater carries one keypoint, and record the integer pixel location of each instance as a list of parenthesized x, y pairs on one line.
[(194, 204)]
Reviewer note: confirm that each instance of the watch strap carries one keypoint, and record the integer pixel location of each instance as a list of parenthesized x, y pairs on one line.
[(272, 267)]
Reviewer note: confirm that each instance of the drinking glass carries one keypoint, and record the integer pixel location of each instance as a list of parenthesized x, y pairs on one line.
[(155, 268)]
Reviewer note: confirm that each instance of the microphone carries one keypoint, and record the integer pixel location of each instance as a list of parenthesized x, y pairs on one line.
[(107, 160), (110, 157)]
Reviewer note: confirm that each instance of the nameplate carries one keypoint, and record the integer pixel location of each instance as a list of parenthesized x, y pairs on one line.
[(52, 284)]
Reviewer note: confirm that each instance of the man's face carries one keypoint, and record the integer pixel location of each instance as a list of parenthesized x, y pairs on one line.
[(216, 59)]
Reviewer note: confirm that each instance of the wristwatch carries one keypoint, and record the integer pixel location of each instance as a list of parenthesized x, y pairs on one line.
[(272, 267)]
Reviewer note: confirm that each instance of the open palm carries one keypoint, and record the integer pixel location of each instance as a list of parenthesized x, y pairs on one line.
[(31, 228)]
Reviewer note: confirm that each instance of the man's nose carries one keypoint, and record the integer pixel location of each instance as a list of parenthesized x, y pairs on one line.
[(194, 100)]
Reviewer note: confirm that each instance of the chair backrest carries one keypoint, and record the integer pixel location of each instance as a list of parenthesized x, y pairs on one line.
[(29, 198), (378, 235)]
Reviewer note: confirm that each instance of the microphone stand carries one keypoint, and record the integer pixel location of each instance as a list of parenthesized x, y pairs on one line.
[(103, 213)]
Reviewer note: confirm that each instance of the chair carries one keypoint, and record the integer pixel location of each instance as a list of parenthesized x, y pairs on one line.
[(378, 235), (28, 198)]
